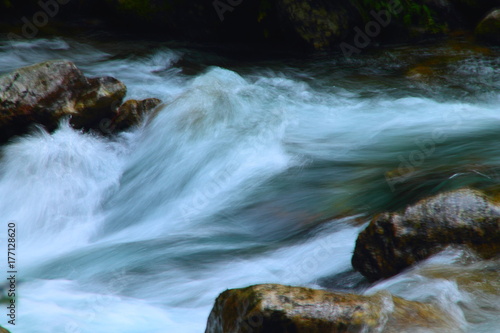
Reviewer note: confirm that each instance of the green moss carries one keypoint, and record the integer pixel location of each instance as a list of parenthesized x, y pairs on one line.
[(413, 14), (140, 7)]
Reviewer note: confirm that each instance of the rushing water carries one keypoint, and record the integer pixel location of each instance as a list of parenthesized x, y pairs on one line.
[(255, 171)]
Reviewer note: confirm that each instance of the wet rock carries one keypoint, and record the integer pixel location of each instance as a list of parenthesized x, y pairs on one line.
[(46, 92), (3, 330), (489, 27), (277, 308), (132, 112), (100, 99), (393, 242)]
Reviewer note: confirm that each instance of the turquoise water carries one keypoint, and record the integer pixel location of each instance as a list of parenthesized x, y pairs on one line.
[(255, 171)]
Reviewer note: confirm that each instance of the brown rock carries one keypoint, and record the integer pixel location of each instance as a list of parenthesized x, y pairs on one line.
[(393, 242), (272, 308), (132, 112), (99, 100), (46, 92)]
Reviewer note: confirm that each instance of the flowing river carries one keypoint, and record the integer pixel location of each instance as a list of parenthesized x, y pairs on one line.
[(256, 170)]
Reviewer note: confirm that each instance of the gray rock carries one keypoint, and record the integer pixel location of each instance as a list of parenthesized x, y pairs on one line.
[(393, 242)]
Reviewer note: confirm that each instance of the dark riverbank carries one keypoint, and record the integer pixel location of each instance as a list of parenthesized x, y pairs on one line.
[(348, 26)]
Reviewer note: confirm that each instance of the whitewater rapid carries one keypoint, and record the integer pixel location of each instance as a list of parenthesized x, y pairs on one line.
[(248, 175)]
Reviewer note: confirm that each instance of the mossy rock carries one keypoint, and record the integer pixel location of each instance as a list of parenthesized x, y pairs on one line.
[(132, 112), (415, 18)]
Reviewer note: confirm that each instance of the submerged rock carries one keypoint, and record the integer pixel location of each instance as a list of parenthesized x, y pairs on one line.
[(46, 92), (277, 308), (489, 27), (393, 242), (478, 278), (132, 111)]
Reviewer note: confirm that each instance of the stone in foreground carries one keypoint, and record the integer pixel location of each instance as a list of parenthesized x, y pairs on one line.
[(272, 308), (393, 242), (489, 27)]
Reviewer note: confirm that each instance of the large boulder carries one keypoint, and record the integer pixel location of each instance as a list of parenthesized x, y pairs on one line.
[(354, 25), (272, 308), (46, 92), (393, 242), (489, 27)]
